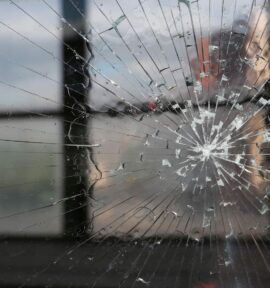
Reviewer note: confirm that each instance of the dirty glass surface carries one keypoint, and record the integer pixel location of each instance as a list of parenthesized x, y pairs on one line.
[(134, 143)]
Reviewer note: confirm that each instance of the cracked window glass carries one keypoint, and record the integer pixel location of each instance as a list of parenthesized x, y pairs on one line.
[(135, 143)]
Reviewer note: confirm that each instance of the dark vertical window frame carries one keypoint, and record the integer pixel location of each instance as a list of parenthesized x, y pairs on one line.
[(76, 82)]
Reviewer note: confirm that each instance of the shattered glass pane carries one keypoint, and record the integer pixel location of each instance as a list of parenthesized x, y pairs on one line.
[(193, 94), (151, 166)]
